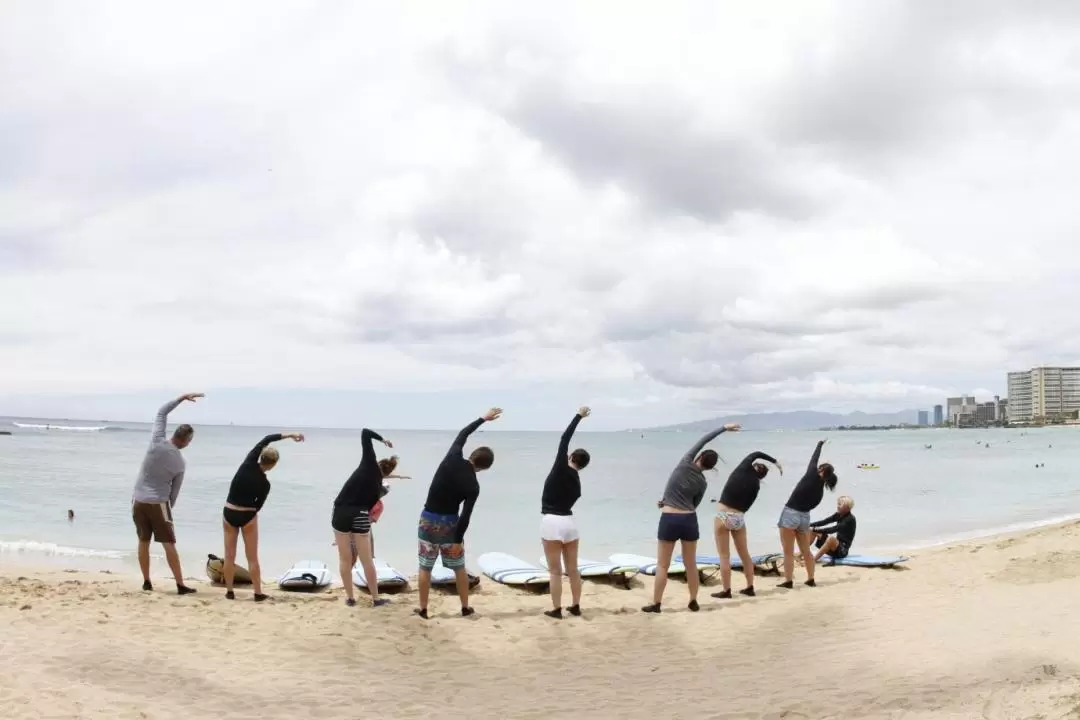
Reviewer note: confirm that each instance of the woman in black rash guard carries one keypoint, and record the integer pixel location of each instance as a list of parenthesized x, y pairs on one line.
[(795, 518), (352, 519), (247, 494), (558, 532), (739, 493)]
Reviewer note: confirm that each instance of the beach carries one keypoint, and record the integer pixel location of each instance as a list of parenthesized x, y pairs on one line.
[(979, 629)]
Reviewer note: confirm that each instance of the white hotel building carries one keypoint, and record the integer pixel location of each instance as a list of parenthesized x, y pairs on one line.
[(1043, 392)]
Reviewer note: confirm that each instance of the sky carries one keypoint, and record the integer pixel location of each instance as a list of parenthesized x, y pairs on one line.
[(351, 213)]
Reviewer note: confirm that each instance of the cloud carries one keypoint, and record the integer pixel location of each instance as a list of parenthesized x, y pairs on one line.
[(719, 207)]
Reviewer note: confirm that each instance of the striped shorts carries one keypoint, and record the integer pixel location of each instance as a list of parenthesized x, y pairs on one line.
[(349, 519)]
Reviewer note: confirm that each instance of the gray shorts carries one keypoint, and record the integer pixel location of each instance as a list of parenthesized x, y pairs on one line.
[(794, 520)]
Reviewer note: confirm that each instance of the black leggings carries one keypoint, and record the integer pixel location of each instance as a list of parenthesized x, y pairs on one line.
[(238, 518)]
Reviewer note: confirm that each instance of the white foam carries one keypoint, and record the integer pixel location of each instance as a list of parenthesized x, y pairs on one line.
[(46, 548), (74, 428)]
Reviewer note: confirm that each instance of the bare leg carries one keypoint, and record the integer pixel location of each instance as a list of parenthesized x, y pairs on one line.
[(663, 561), (231, 536), (807, 552), (553, 555), (461, 580), (570, 565), (173, 559), (345, 562), (830, 544), (739, 536), (424, 580), (787, 542), (144, 559), (689, 558), (367, 561), (723, 549), (251, 551)]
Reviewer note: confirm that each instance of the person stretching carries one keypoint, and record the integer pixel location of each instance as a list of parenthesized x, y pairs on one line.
[(835, 540), (247, 494), (794, 521), (351, 519), (441, 530), (156, 491), (739, 493), (558, 532), (678, 517)]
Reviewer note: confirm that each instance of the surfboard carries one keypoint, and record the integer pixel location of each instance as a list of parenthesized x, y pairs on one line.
[(443, 576), (593, 569), (646, 565), (387, 576), (305, 575), (215, 570), (509, 570), (736, 561), (878, 561)]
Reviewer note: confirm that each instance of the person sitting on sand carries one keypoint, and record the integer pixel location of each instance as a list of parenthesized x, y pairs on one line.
[(447, 511), (739, 493), (794, 521), (835, 540), (351, 519), (678, 517), (247, 495), (157, 490), (558, 532)]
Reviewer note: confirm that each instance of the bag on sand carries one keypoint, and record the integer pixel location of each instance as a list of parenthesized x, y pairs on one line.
[(215, 570)]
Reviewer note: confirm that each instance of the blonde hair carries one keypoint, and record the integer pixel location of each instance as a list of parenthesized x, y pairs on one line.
[(845, 501), (269, 456)]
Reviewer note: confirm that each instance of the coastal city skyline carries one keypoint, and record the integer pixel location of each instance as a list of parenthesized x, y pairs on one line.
[(1040, 395)]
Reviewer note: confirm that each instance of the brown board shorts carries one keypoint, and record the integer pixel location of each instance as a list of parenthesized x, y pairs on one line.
[(153, 520)]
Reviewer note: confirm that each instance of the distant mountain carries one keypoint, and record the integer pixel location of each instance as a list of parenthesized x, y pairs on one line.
[(798, 420)]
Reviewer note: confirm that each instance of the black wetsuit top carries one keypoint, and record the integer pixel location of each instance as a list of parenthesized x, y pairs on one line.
[(844, 527), (364, 487), (455, 483), (249, 487), (811, 487), (563, 485), (742, 486)]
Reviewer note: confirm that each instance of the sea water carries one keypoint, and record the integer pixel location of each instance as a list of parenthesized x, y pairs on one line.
[(968, 483)]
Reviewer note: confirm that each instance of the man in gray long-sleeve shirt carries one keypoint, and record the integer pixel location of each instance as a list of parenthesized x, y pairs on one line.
[(156, 492)]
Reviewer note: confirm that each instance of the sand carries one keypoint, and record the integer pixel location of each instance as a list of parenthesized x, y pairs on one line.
[(984, 629)]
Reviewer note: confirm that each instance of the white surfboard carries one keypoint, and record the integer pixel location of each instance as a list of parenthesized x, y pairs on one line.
[(509, 570), (442, 575), (593, 569), (646, 565), (305, 575), (387, 576)]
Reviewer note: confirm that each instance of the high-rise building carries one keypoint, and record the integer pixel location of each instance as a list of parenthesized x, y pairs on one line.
[(924, 417), (985, 413), (1043, 392), (957, 406), (939, 415)]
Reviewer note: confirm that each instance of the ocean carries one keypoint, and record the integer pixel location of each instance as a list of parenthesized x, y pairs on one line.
[(969, 483)]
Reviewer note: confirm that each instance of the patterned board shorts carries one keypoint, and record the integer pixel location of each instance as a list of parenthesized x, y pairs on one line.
[(435, 534), (730, 520)]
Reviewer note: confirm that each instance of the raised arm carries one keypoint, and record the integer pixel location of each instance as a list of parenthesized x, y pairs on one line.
[(705, 440), (253, 456), (466, 515), (754, 457), (812, 467), (458, 446), (568, 434), (366, 436), (158, 433)]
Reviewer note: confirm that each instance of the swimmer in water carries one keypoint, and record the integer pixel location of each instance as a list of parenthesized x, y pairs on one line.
[(447, 511), (247, 494), (794, 521), (678, 517), (71, 516), (835, 540), (739, 493), (351, 519), (558, 531)]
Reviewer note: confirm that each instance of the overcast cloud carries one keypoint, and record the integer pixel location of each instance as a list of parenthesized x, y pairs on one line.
[(666, 210)]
